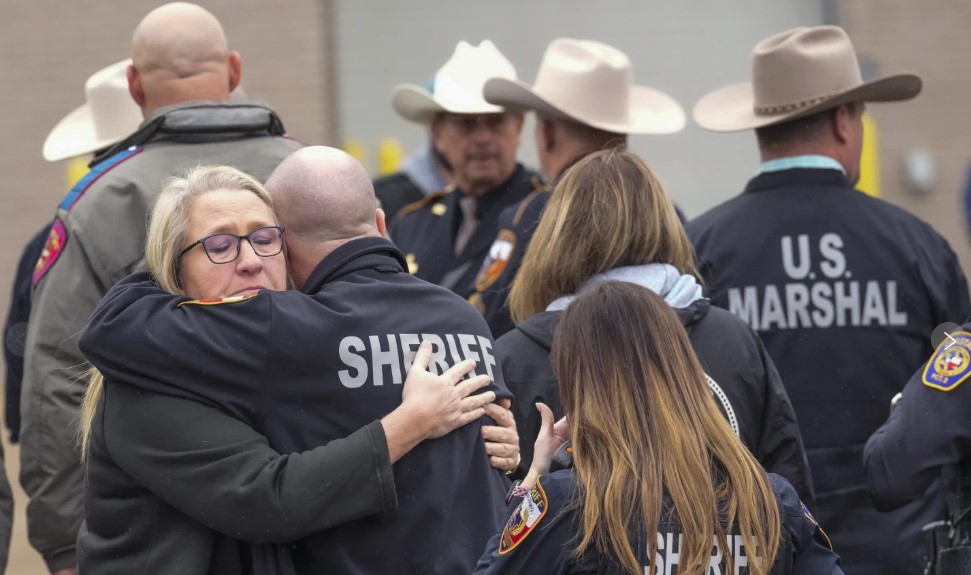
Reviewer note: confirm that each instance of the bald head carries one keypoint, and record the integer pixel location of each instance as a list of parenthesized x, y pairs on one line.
[(180, 53), (323, 194)]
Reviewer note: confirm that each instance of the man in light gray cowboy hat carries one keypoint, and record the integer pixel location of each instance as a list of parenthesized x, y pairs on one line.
[(585, 100), (843, 288), (445, 235)]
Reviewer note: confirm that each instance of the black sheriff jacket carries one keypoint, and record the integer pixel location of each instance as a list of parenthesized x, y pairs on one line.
[(543, 529), (744, 382), (308, 368)]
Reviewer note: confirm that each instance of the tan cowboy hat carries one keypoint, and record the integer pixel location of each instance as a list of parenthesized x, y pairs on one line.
[(107, 117), (796, 73), (590, 83), (457, 87)]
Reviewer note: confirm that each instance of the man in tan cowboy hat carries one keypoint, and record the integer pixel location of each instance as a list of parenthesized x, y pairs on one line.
[(843, 288), (445, 235), (585, 100), (180, 78)]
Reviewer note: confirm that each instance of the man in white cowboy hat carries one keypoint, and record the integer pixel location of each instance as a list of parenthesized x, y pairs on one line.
[(421, 173), (844, 289), (107, 116), (585, 100), (180, 78), (445, 235)]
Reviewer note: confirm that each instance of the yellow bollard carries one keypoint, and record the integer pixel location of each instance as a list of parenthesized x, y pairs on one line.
[(390, 156), (870, 159), (75, 170)]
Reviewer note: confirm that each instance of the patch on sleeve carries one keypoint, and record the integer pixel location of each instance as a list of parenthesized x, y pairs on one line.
[(496, 261), (524, 519), (218, 300), (809, 517), (56, 239), (951, 363)]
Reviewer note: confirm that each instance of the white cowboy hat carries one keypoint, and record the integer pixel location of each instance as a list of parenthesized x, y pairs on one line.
[(590, 83), (794, 74), (107, 117), (457, 87)]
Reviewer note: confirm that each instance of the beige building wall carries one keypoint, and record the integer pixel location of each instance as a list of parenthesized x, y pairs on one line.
[(931, 38), (48, 49)]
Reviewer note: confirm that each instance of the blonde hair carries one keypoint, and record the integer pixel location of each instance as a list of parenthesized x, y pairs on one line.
[(608, 210), (644, 425), (166, 235)]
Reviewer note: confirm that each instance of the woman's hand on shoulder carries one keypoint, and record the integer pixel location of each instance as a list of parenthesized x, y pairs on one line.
[(443, 403)]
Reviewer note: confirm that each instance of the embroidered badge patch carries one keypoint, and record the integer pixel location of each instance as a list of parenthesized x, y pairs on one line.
[(526, 517), (497, 260), (56, 239), (951, 363), (218, 300)]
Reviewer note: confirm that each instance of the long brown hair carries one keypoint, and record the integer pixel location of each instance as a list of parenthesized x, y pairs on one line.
[(644, 424), (608, 210)]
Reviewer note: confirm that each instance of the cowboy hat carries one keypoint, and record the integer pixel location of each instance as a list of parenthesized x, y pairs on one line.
[(794, 74), (457, 87), (590, 83), (107, 116)]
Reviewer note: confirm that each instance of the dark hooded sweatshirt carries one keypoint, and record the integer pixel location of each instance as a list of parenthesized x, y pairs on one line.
[(744, 382)]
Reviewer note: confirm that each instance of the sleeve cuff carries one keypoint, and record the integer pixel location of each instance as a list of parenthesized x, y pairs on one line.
[(61, 559), (382, 461)]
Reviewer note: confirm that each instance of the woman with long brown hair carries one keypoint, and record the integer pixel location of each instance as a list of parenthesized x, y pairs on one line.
[(661, 484), (609, 218)]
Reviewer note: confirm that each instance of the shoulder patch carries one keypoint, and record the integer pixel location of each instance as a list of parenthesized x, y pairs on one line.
[(218, 300), (56, 239), (496, 260), (415, 206), (809, 517), (93, 174), (951, 363), (524, 519)]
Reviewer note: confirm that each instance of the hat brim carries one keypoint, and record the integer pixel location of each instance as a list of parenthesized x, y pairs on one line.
[(74, 135), (651, 111), (731, 108), (416, 104)]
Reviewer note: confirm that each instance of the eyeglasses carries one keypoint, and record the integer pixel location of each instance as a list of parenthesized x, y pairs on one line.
[(224, 248)]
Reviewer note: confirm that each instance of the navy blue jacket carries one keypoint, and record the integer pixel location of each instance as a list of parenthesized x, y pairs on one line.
[(425, 231), (15, 330), (542, 532), (844, 290), (308, 370), (744, 382), (396, 191), (929, 428)]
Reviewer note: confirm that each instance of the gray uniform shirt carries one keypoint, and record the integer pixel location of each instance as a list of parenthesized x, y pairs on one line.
[(97, 239)]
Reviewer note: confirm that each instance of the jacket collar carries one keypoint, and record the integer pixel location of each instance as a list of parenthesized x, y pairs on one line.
[(214, 118), (798, 177), (362, 253), (490, 198)]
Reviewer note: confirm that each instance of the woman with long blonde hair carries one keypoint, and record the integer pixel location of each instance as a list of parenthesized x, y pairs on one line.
[(610, 218), (660, 483)]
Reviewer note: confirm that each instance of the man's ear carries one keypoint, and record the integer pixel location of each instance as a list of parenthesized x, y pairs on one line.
[(379, 223), (235, 64), (843, 118), (135, 86), (547, 131)]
